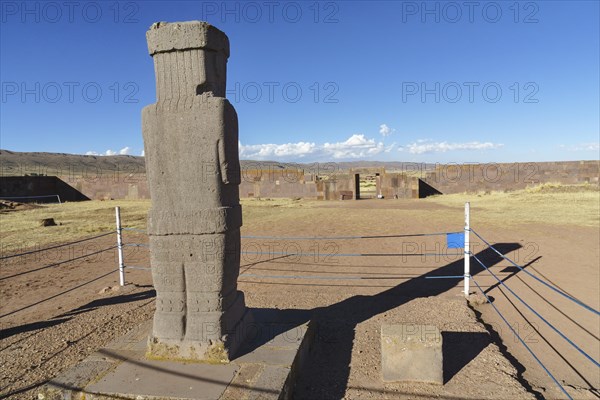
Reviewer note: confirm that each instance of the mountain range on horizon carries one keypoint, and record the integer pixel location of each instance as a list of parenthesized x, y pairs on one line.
[(13, 163)]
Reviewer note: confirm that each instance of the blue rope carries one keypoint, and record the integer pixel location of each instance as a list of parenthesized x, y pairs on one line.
[(56, 295), (279, 253), (134, 230), (536, 278), (28, 197), (135, 245), (522, 341), (135, 267), (56, 247), (302, 277), (536, 313), (344, 237)]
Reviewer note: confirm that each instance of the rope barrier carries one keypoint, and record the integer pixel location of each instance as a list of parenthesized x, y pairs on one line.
[(56, 295), (325, 237), (521, 340), (536, 313), (59, 263), (135, 267), (28, 197), (32, 197), (135, 230), (536, 278), (341, 278), (56, 247), (351, 254), (135, 245), (301, 277), (345, 237)]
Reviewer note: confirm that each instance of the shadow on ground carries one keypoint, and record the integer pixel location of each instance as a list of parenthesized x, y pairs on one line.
[(92, 305), (331, 353)]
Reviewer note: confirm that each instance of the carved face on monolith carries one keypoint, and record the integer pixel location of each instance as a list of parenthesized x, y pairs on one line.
[(192, 164)]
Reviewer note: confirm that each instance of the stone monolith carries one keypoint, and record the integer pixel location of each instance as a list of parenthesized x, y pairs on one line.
[(193, 170)]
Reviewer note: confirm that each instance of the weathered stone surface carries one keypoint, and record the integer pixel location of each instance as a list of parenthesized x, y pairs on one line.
[(411, 353), (193, 170), (164, 37)]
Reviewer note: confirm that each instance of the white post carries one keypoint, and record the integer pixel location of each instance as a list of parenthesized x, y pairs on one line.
[(120, 247), (467, 273)]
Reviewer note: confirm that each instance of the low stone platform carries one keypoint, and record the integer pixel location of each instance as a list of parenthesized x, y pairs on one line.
[(264, 368)]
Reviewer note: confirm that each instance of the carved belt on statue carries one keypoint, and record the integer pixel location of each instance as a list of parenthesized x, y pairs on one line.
[(194, 222)]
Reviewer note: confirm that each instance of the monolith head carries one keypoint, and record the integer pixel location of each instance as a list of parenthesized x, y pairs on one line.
[(199, 51)]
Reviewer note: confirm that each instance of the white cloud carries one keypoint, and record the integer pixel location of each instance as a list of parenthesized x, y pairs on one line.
[(591, 146), (270, 150), (356, 146), (385, 130), (426, 146), (124, 151), (143, 153)]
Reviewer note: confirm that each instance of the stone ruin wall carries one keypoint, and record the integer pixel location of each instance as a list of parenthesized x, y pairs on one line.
[(489, 177), (288, 183), (398, 185), (110, 187)]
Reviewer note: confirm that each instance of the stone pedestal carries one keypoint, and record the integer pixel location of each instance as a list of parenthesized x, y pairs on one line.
[(193, 170), (266, 369), (411, 353)]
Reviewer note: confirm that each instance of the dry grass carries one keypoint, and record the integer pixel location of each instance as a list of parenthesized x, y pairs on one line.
[(555, 187), (549, 203), (21, 229)]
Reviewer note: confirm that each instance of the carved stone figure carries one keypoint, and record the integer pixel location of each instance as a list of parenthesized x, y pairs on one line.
[(192, 163)]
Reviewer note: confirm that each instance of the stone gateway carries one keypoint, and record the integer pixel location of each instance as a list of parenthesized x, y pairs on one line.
[(193, 169)]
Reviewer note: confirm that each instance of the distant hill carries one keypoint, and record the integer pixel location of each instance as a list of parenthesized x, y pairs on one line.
[(14, 163)]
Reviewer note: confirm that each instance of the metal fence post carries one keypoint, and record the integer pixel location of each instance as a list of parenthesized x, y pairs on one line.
[(120, 247), (467, 272)]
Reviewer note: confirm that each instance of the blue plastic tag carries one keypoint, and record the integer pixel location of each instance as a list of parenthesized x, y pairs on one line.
[(455, 240)]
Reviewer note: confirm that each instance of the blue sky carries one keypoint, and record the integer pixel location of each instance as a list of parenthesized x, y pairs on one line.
[(319, 81)]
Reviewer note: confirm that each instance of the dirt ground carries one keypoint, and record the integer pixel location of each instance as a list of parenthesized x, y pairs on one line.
[(53, 315)]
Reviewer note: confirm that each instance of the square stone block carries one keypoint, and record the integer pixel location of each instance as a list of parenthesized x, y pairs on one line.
[(411, 353)]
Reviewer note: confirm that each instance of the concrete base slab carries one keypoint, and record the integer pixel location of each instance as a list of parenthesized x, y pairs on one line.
[(265, 367), (200, 381)]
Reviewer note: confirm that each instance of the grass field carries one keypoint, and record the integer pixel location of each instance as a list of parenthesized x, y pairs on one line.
[(21, 229), (550, 204), (556, 204)]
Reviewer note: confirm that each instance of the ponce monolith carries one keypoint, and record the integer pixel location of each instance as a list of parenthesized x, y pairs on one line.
[(193, 170)]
